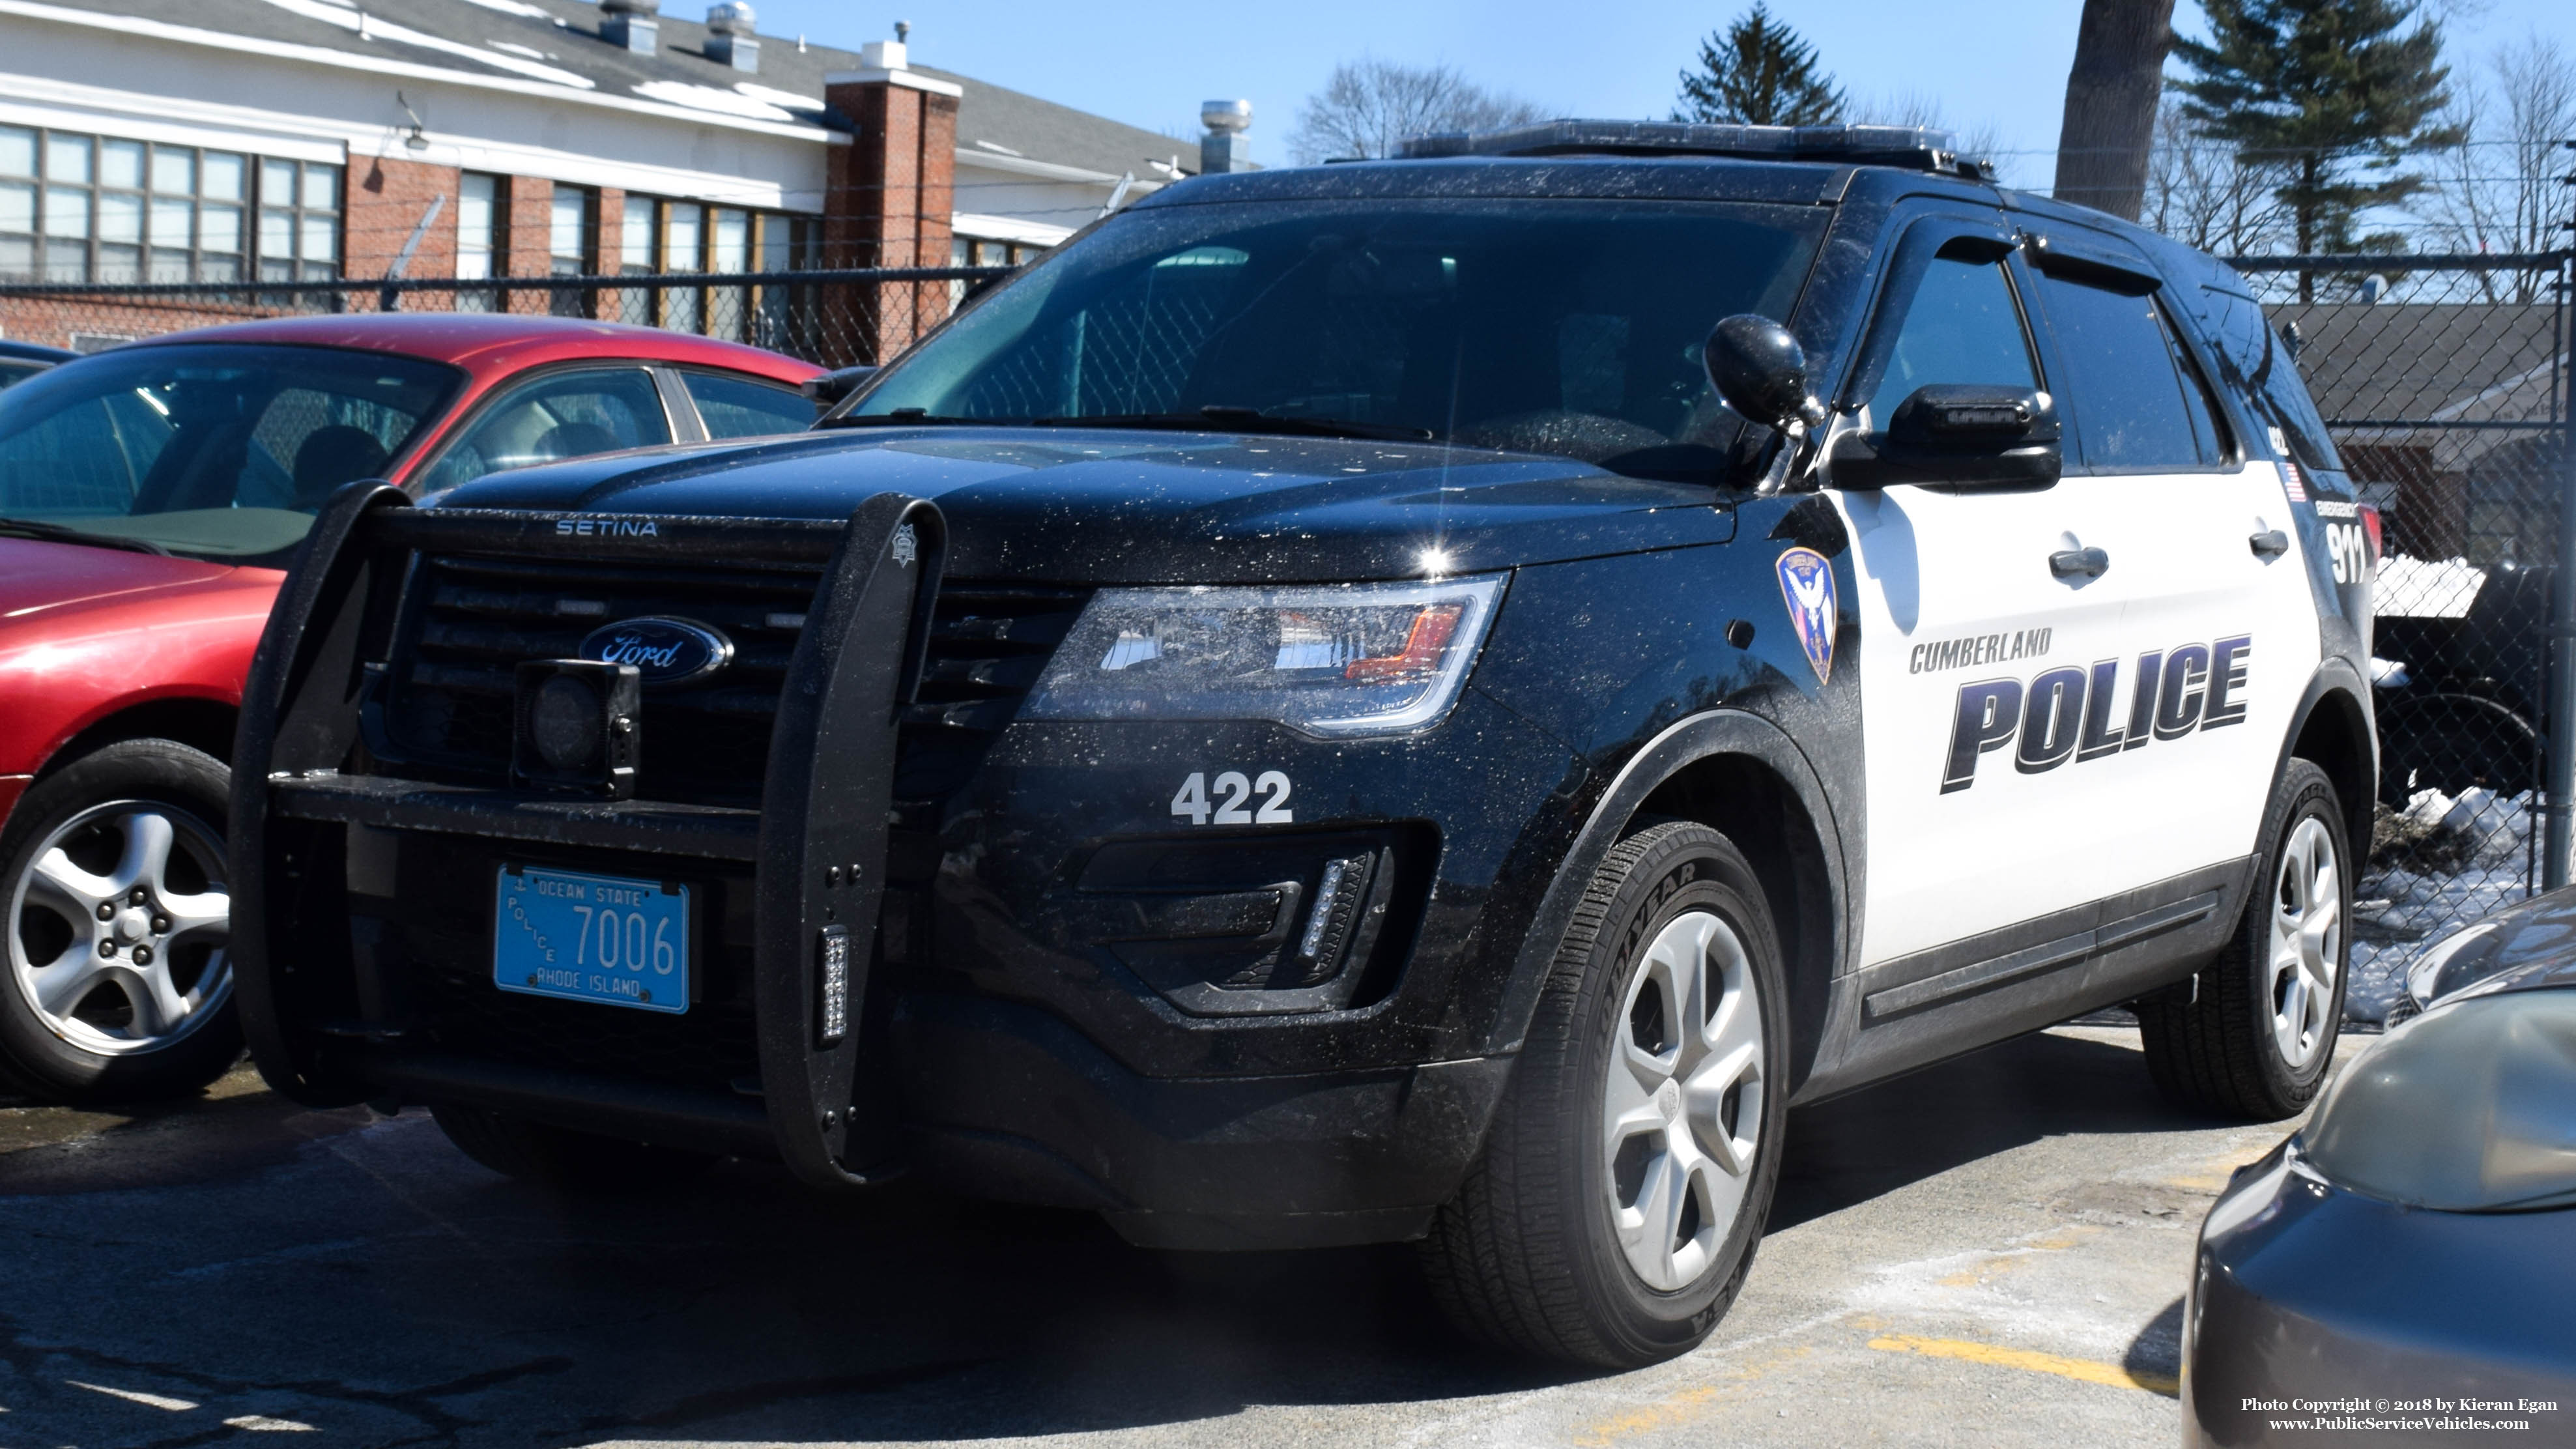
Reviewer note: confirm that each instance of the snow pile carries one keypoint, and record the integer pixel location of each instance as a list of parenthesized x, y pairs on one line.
[(2426, 588), (2436, 865)]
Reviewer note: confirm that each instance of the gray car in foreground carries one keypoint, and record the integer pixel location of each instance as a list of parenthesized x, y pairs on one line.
[(2406, 1266)]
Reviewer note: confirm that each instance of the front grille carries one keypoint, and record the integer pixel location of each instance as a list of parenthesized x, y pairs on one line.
[(469, 621)]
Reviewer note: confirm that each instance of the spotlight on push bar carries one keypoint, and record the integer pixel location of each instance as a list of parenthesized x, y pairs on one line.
[(577, 727)]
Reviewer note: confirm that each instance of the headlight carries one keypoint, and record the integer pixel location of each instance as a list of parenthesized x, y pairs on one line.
[(1347, 659), (2470, 1108)]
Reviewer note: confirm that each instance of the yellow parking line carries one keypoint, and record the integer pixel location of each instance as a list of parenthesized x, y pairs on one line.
[(2084, 1370)]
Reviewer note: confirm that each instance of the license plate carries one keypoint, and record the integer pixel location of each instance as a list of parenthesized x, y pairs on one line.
[(597, 938)]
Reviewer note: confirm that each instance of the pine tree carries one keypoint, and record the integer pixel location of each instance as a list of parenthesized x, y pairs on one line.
[(1757, 72), (2330, 91)]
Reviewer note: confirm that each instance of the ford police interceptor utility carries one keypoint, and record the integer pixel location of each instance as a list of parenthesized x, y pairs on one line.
[(1421, 699)]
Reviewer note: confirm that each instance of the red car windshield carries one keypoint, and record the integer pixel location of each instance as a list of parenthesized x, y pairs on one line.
[(215, 450)]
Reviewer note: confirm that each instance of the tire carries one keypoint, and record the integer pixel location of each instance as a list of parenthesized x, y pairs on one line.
[(564, 1160), (1575, 1241), (118, 987), (2254, 1037)]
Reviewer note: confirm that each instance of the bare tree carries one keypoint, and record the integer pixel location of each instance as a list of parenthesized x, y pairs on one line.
[(2498, 190), (2111, 95), (1369, 105), (2210, 195), (1983, 141)]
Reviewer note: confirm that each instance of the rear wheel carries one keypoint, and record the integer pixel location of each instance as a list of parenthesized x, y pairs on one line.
[(2254, 1036), (119, 981), (558, 1158), (1615, 1209)]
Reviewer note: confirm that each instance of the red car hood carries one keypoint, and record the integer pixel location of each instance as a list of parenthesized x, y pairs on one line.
[(36, 577)]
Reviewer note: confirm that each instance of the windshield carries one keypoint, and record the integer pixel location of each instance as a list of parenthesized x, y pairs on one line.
[(1568, 327), (219, 451)]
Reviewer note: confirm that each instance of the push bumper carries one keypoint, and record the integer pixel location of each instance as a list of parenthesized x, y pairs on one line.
[(318, 984)]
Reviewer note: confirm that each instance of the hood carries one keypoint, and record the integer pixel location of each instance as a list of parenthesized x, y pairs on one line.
[(37, 578), (1095, 506)]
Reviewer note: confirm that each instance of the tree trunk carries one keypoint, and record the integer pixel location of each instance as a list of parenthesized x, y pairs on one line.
[(2111, 95)]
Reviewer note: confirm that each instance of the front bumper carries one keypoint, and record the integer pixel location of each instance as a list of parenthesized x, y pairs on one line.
[(2312, 1303), (1074, 998), (322, 988)]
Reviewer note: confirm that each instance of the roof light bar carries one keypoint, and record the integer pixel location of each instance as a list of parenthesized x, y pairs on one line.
[(1922, 148)]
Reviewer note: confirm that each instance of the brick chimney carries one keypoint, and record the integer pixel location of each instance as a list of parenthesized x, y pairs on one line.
[(891, 193)]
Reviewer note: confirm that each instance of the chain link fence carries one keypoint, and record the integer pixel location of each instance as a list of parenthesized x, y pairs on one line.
[(833, 317), (2444, 381)]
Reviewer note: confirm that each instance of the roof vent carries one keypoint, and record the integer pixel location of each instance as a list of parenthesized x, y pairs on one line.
[(1921, 148), (729, 38), (629, 24), (1224, 147)]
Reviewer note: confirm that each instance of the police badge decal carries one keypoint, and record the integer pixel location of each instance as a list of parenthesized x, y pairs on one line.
[(1807, 587)]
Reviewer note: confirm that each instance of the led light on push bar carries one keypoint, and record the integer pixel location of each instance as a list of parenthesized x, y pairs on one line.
[(836, 983)]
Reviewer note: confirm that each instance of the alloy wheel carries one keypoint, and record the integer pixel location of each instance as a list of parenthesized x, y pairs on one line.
[(2307, 942), (119, 926), (1682, 1109)]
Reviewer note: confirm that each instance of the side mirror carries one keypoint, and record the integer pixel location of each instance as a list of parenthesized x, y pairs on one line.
[(1957, 435), (1761, 372), (828, 389)]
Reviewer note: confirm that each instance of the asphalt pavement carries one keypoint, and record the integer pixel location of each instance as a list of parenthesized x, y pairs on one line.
[(1992, 1251)]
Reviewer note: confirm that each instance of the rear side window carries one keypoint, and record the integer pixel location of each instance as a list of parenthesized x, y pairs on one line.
[(1960, 327), (562, 415), (2136, 405), (2260, 366), (737, 407)]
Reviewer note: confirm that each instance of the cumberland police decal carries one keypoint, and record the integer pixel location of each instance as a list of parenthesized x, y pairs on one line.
[(2066, 713), (1807, 587)]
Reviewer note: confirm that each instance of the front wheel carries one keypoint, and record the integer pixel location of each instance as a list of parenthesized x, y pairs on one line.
[(1615, 1209), (119, 981), (2254, 1037)]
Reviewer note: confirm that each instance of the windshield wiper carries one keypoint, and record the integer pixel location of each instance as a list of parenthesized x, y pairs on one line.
[(1218, 418), (56, 533)]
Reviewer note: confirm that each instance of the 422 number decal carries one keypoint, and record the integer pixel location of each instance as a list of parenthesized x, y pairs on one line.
[(1235, 790)]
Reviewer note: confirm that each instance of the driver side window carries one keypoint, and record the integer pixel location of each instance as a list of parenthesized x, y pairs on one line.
[(562, 415), (1961, 327)]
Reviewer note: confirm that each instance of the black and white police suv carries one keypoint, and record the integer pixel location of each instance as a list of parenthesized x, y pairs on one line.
[(1421, 699)]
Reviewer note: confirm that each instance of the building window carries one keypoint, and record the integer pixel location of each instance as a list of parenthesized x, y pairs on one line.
[(635, 254), (684, 230), (482, 238), (786, 315), (729, 251), (572, 228), (299, 221), (77, 208)]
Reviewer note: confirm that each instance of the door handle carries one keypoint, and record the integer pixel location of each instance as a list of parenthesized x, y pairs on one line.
[(2270, 543), (2069, 563)]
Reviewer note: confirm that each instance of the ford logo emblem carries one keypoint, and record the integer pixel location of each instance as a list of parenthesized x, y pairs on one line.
[(664, 651)]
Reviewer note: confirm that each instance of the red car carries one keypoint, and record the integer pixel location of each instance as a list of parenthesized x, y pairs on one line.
[(149, 498)]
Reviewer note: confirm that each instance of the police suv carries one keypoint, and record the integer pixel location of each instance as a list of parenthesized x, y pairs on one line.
[(1419, 699)]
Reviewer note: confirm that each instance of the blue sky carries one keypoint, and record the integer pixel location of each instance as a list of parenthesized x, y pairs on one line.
[(2001, 62)]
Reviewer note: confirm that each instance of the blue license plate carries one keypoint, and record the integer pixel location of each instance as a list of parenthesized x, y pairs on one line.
[(598, 938)]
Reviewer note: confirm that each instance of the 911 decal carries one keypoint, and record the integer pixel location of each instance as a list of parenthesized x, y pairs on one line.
[(2349, 550), (1234, 790), (2068, 713)]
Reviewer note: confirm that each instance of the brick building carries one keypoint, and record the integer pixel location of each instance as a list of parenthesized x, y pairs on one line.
[(209, 141)]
